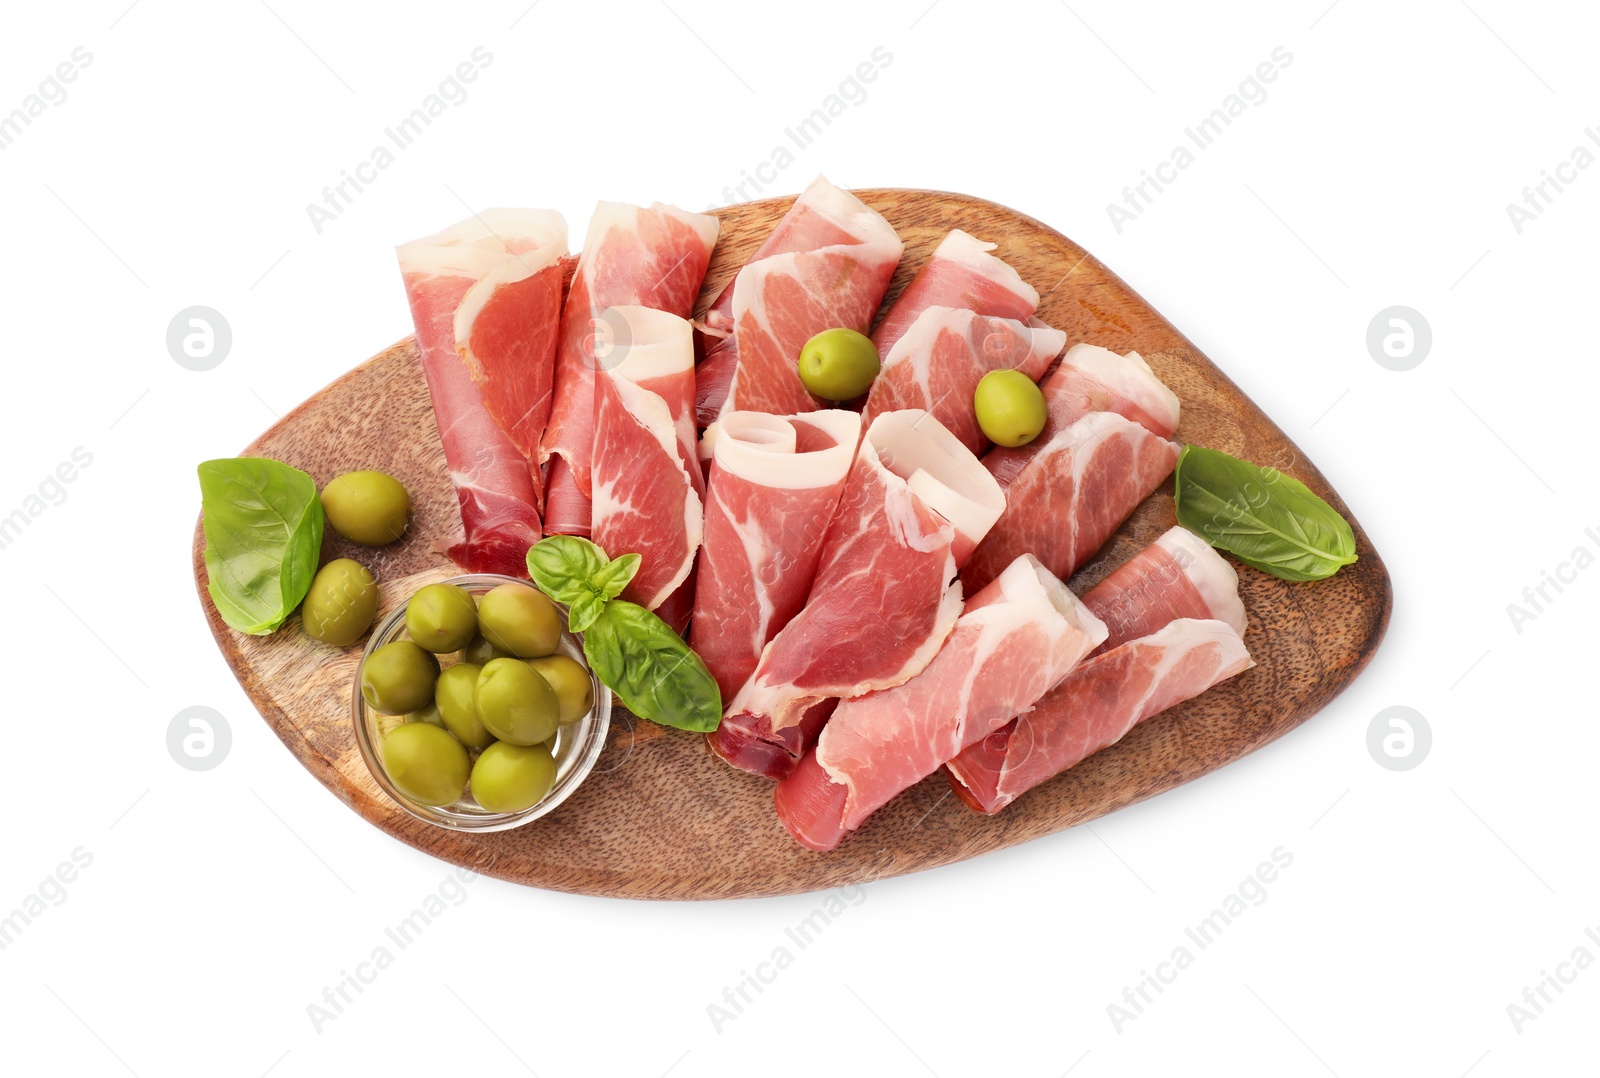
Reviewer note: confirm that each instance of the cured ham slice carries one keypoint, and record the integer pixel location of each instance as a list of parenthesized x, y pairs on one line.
[(1095, 706), (1092, 379), (943, 355), (1015, 639), (647, 483), (960, 273), (495, 484), (885, 596), (1178, 580), (829, 267), (506, 327), (1074, 492), (653, 257), (820, 217), (1179, 575), (775, 482)]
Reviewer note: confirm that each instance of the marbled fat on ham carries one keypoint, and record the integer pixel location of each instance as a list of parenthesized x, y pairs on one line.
[(653, 257), (943, 355), (915, 505), (1074, 492), (1015, 639), (495, 484), (774, 485), (960, 273), (647, 480)]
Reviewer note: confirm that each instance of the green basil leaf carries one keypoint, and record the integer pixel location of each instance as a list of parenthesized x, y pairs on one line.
[(263, 528), (613, 577), (651, 669), (563, 565), (1269, 520), (584, 610)]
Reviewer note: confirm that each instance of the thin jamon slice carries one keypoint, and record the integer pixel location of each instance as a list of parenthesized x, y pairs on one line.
[(632, 256), (943, 355), (1179, 575), (506, 327), (960, 273), (775, 482), (494, 482), (647, 484), (1178, 579), (1103, 698), (885, 596), (831, 268), (820, 217), (1092, 379), (1065, 502), (1015, 639)]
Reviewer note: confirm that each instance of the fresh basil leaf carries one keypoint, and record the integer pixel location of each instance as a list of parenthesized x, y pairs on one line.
[(263, 528), (1269, 520), (614, 576), (583, 611), (562, 566), (650, 668)]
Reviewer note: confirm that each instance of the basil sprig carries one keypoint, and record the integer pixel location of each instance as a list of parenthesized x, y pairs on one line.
[(634, 653), (575, 572), (263, 525), (1268, 520)]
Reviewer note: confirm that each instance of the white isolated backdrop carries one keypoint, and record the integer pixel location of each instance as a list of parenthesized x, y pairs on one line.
[(216, 906)]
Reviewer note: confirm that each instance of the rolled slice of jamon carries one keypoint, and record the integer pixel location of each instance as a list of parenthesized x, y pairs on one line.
[(1015, 639), (960, 273), (1092, 379), (943, 355), (774, 485), (1074, 492), (496, 486), (647, 480), (1178, 586), (885, 596), (506, 328), (1179, 575), (633, 256), (820, 217), (1096, 705), (829, 267)]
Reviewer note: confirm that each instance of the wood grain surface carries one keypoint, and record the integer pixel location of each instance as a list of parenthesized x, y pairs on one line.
[(661, 818)]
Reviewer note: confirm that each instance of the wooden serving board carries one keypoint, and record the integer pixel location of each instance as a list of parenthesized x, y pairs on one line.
[(662, 818)]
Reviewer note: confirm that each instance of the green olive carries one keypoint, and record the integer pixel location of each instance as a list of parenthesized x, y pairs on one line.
[(839, 364), (442, 618), (510, 778), (457, 696), (341, 603), (425, 763), (571, 684), (1010, 408), (367, 507), (398, 678), (429, 715), (480, 651), (515, 704), (518, 618)]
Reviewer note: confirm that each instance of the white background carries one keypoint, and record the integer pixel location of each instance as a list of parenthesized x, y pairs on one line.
[(218, 905)]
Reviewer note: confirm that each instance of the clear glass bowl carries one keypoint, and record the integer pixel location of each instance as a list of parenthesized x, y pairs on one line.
[(577, 748)]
